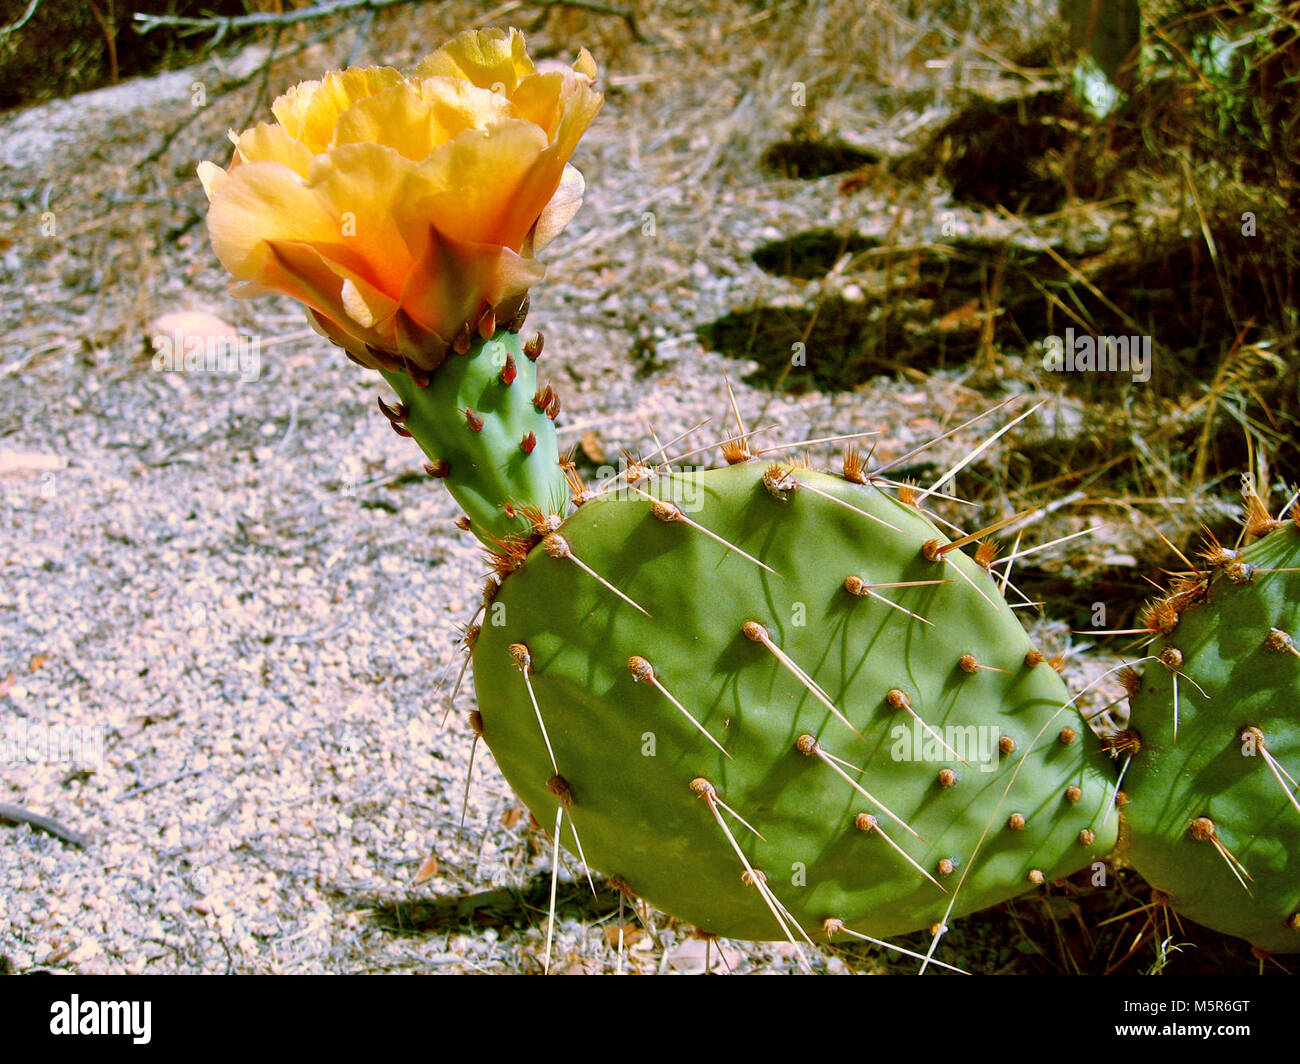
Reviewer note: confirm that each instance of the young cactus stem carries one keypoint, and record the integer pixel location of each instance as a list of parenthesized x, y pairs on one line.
[(486, 440)]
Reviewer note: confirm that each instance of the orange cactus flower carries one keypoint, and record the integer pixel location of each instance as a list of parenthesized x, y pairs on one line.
[(399, 207)]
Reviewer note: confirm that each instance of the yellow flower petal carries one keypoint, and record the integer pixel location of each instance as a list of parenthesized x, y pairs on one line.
[(289, 108), (485, 58), (540, 100), (271, 143), (396, 117), (558, 212), (543, 182), (298, 270), (356, 306), (213, 177), (451, 282), (310, 111), (259, 203), (359, 187), (586, 65), (415, 119), (455, 106), (484, 187), (353, 307)]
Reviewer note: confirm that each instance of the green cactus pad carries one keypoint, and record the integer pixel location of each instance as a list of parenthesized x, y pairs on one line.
[(627, 755), (1239, 670), (472, 419)]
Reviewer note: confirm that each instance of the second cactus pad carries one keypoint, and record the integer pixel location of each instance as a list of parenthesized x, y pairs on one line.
[(766, 697), (1213, 814)]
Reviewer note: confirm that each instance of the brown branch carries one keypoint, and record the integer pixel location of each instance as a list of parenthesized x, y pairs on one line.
[(15, 815), (109, 28), (224, 89), (223, 24)]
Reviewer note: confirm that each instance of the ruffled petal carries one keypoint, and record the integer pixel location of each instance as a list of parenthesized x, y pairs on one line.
[(482, 187), (396, 117), (586, 65), (359, 187), (213, 177), (271, 143), (455, 106), (414, 118), (558, 212), (540, 99), (543, 182), (486, 58), (310, 111), (261, 203)]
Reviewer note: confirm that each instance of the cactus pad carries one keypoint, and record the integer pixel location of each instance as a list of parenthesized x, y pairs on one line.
[(1213, 816), (763, 732)]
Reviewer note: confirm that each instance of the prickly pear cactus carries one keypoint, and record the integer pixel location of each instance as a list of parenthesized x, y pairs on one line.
[(1213, 748), (778, 703), (773, 702)]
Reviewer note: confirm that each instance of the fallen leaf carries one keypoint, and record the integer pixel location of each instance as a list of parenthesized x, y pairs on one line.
[(592, 448), (426, 871), (859, 179), (631, 935), (959, 317), (577, 966), (37, 662)]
